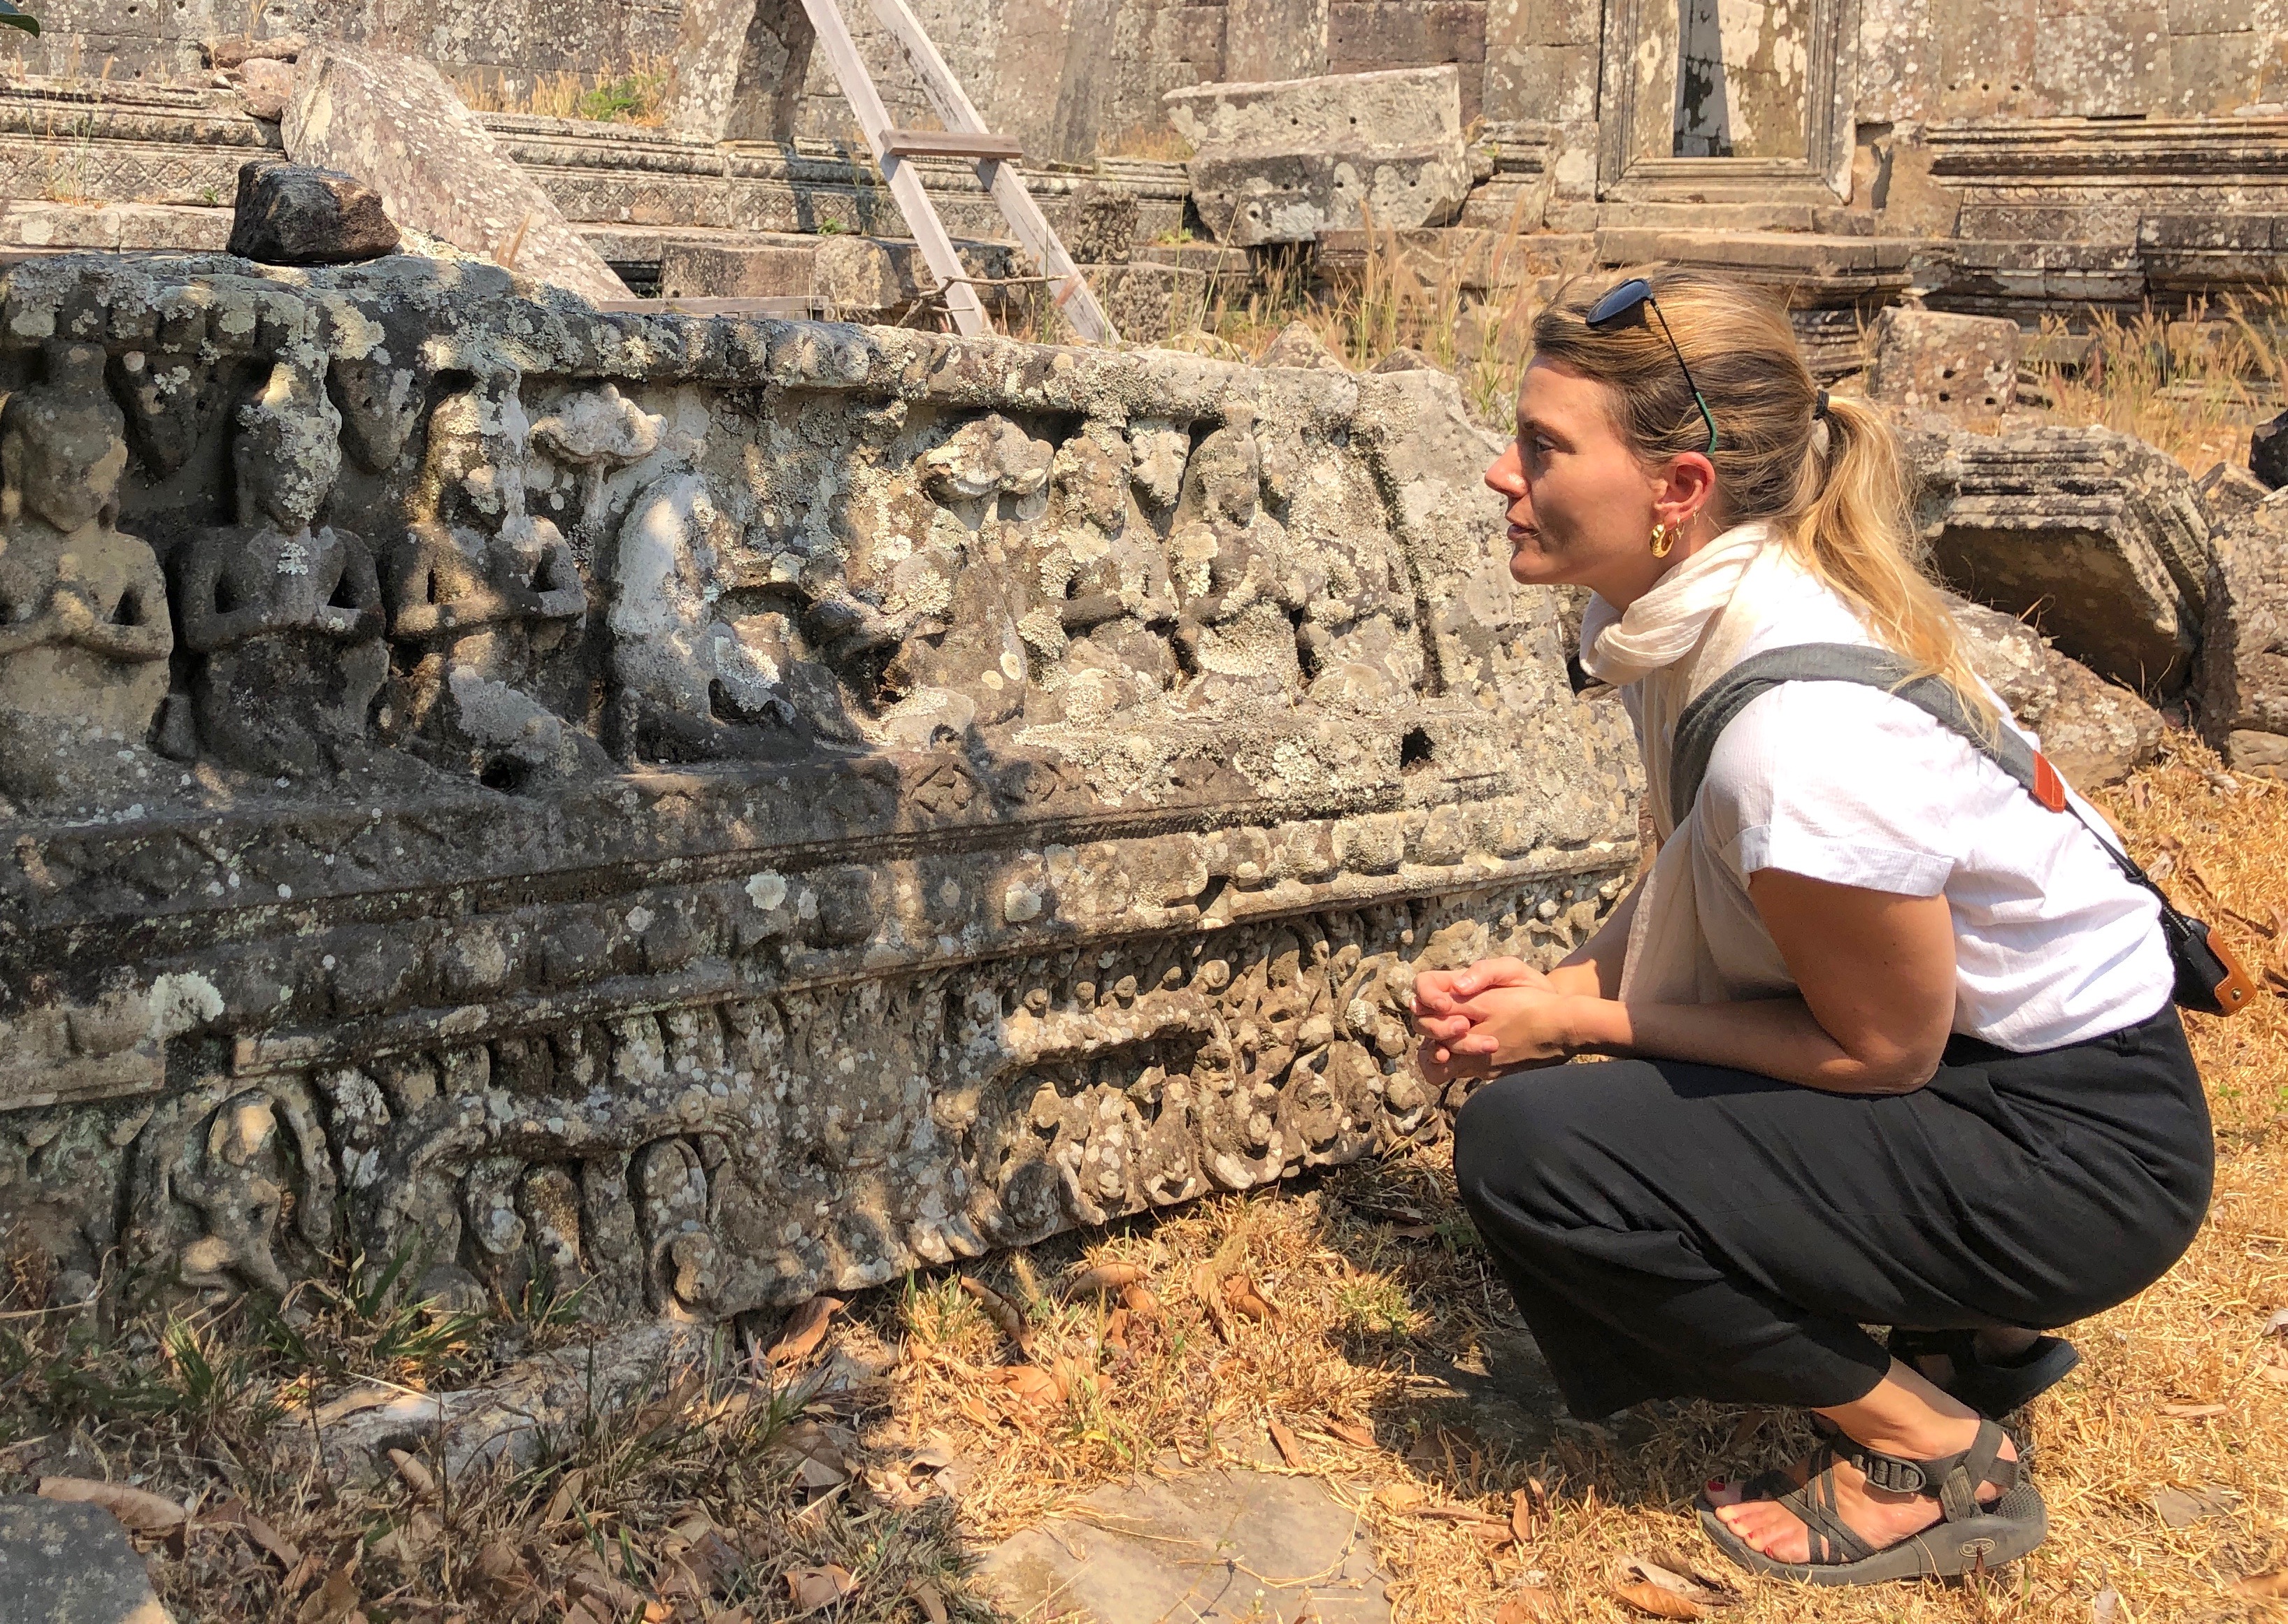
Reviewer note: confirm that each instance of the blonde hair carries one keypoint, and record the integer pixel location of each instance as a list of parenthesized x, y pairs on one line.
[(1835, 487)]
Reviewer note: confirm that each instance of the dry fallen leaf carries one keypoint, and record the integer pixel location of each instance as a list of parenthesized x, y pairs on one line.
[(350, 1403), (1139, 1301), (1032, 1384), (234, 1513), (1400, 1496), (1520, 1516), (925, 1596), (1104, 1277), (804, 1330), (809, 1588), (567, 1496), (1115, 1332), (1005, 1314), (1362, 1437), (500, 1572), (2191, 1412), (1526, 1605), (1283, 1441), (1680, 1577), (590, 1579), (2277, 1326), (671, 1406), (136, 1508), (332, 1601), (1240, 1297), (2183, 1508), (1648, 1598), (417, 1476), (2264, 1585)]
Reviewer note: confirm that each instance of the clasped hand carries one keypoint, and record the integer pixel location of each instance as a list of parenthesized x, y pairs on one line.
[(1492, 1017)]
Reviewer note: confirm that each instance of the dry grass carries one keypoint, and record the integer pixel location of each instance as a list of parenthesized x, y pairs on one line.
[(637, 95), (1375, 1275), (2194, 386)]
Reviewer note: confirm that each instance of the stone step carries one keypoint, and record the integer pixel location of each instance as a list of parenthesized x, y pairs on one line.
[(1814, 270), (1471, 259)]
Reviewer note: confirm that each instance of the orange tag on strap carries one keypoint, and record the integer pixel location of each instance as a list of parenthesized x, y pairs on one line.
[(2049, 789)]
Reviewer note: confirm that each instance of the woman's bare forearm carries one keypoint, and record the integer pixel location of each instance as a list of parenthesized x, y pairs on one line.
[(1777, 1037), (1593, 968)]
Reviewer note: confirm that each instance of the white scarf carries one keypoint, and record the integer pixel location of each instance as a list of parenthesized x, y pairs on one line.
[(1672, 643)]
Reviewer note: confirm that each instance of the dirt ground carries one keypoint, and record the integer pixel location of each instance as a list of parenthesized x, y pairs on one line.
[(1315, 1328)]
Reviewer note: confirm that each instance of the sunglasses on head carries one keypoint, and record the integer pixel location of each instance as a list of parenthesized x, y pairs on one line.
[(1629, 302)]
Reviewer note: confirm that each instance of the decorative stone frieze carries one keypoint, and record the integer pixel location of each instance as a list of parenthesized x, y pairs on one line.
[(718, 808)]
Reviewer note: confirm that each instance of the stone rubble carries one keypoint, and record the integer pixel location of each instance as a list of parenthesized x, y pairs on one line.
[(71, 1564), (291, 214), (1285, 160)]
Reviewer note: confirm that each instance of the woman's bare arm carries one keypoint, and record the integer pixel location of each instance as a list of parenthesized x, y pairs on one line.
[(1875, 971)]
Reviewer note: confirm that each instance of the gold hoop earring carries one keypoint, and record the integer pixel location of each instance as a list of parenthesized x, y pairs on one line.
[(1661, 541)]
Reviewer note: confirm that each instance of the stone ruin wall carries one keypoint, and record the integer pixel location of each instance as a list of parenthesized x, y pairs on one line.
[(1072, 77), (718, 808)]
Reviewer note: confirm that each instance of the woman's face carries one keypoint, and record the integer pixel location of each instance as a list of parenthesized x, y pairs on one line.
[(1581, 507)]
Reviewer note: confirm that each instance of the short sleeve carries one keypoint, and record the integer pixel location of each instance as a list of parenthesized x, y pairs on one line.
[(1841, 784)]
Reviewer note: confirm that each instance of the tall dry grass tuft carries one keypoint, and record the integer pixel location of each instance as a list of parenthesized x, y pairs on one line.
[(635, 95), (2193, 386)]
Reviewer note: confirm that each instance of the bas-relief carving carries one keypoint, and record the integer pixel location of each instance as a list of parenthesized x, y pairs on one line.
[(83, 628), (484, 599), (285, 614), (1042, 607)]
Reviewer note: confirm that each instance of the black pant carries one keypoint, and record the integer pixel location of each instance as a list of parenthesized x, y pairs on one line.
[(1674, 1229)]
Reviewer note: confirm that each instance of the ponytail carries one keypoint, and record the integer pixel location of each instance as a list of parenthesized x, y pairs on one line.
[(1826, 473)]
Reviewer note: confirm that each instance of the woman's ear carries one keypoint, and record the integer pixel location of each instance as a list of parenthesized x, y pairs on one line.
[(1686, 490)]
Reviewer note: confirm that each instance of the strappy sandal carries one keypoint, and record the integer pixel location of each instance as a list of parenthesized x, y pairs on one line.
[(1967, 1536), (1992, 1387)]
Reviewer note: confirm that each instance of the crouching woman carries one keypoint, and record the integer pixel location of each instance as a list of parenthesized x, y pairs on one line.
[(1893, 1039)]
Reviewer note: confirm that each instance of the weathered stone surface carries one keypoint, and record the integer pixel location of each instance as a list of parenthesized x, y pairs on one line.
[(291, 214), (739, 66), (2244, 674), (2096, 536), (1298, 345), (2096, 733), (847, 278), (1283, 161), (395, 125), (68, 1563), (1221, 1545), (836, 799), (1962, 366)]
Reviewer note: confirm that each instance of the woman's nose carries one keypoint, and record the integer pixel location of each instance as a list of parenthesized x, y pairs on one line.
[(1506, 477)]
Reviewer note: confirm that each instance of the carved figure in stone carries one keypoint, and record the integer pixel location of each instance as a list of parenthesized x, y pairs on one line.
[(84, 634), (286, 614), (218, 1172), (1107, 605), (709, 651), (484, 599), (597, 430), (166, 396), (380, 404), (1233, 578), (1357, 640)]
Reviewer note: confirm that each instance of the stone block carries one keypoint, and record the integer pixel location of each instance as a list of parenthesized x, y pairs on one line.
[(1266, 40), (2244, 669), (71, 1564), (2217, 73), (739, 67), (2091, 64), (851, 278), (395, 125), (293, 214), (1963, 366), (2097, 537), (1556, 83), (2095, 732), (1148, 302), (1283, 161)]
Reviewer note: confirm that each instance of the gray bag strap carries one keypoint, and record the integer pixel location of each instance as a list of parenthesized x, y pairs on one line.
[(1704, 719)]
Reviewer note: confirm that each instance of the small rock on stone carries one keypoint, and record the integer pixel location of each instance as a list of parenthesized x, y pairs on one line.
[(2268, 452), (293, 214), (71, 1564), (1405, 359), (1298, 346)]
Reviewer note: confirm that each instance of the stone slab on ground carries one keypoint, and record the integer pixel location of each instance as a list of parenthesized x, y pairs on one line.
[(2095, 732), (2098, 536), (393, 122), (70, 1563), (851, 278), (1207, 1546), (1286, 159), (2243, 676)]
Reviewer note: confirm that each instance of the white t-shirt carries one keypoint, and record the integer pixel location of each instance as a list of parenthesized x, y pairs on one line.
[(1844, 784)]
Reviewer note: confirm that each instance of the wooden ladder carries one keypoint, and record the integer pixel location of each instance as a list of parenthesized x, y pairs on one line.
[(965, 136)]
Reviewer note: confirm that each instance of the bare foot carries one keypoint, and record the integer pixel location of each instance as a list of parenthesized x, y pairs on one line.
[(1877, 1516)]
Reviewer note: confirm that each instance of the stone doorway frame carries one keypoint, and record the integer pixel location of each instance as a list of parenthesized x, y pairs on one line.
[(1822, 176)]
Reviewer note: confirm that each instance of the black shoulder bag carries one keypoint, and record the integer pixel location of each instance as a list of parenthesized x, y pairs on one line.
[(2210, 978)]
